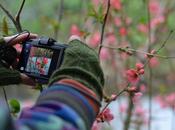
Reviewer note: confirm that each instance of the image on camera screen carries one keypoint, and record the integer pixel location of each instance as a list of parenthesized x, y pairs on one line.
[(39, 61)]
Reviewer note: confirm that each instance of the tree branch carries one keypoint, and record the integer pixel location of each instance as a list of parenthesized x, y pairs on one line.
[(8, 13), (15, 21), (60, 16), (166, 40), (18, 15), (103, 26), (138, 51), (129, 113)]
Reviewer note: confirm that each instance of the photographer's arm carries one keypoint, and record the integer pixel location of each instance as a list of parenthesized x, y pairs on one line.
[(73, 98)]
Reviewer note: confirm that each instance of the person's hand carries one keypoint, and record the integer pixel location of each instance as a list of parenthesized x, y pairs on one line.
[(27, 80), (13, 40), (20, 38)]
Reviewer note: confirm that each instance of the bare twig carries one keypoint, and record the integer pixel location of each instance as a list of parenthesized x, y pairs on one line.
[(138, 51), (60, 16), (5, 95), (111, 100), (129, 113), (8, 13), (121, 92), (150, 69), (15, 21), (18, 15), (165, 42), (149, 25), (103, 26)]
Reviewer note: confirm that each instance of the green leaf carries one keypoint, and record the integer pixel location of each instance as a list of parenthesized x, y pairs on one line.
[(5, 26), (14, 106)]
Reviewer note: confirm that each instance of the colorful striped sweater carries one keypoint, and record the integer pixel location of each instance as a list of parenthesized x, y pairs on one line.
[(61, 107)]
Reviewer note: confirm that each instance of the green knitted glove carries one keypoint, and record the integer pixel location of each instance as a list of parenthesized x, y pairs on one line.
[(81, 63)]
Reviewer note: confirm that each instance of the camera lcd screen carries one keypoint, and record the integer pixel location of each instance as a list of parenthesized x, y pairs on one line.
[(39, 60)]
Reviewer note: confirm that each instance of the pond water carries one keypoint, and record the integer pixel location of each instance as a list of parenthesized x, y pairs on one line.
[(162, 118)]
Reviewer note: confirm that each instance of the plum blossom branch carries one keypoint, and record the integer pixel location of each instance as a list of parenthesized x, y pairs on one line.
[(166, 40), (127, 49), (115, 97), (150, 69), (103, 25), (101, 117)]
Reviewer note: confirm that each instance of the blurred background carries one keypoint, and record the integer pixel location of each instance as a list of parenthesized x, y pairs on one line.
[(140, 25)]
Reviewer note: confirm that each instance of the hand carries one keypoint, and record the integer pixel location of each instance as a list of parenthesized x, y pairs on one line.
[(27, 80), (20, 38), (16, 40)]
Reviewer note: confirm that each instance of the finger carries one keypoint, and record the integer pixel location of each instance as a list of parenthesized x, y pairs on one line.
[(28, 81), (18, 39), (21, 38)]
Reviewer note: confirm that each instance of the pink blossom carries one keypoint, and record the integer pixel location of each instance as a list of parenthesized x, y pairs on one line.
[(157, 21), (139, 111), (128, 20), (132, 76), (141, 71), (123, 108), (75, 30), (142, 28), (104, 54), (106, 115), (118, 21), (142, 88), (45, 60), (139, 66), (132, 89), (38, 62), (116, 4), (111, 38), (161, 101), (113, 97), (136, 97), (123, 31), (95, 39), (155, 7), (170, 99), (96, 126), (153, 62)]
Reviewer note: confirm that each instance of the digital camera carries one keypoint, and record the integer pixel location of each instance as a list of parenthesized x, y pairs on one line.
[(40, 57)]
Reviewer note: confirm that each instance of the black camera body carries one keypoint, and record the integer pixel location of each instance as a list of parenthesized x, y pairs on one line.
[(40, 57)]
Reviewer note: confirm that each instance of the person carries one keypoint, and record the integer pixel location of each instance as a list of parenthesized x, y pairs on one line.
[(73, 97)]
